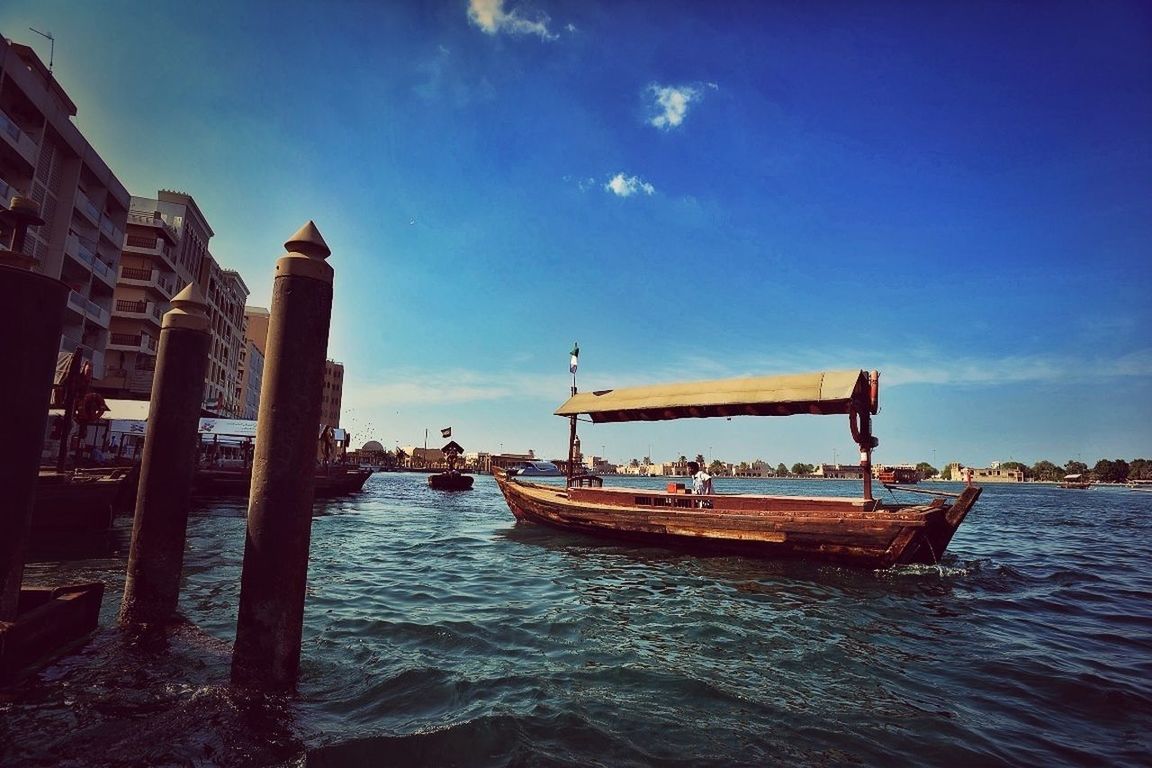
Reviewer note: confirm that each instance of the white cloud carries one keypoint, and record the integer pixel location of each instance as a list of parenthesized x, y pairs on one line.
[(626, 186), (418, 387), (492, 19), (672, 102)]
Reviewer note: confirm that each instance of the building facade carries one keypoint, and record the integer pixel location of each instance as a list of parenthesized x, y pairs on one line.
[(45, 158), (225, 293), (333, 393)]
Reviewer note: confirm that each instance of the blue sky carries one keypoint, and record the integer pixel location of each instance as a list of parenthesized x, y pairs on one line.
[(958, 194)]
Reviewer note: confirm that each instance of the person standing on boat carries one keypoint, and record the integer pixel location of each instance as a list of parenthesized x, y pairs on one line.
[(701, 480)]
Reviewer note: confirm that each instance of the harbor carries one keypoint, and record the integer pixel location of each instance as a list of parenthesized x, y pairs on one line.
[(440, 632)]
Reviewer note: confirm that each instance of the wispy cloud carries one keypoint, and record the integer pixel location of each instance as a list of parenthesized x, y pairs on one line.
[(442, 387), (626, 186), (491, 17), (671, 103), (928, 366)]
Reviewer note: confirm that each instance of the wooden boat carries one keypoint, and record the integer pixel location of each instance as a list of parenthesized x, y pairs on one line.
[(450, 481), (330, 481), (898, 475), (856, 531), (82, 501), (48, 621), (1076, 481)]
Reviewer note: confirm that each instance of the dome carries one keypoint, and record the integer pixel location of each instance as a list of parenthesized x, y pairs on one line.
[(372, 445)]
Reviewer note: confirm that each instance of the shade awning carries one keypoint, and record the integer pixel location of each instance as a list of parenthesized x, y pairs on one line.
[(827, 392)]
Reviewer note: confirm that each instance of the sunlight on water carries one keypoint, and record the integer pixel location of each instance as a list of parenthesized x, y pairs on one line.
[(438, 632)]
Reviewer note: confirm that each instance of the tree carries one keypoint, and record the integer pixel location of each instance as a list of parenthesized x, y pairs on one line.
[(1140, 469), (946, 473), (802, 469), (700, 459), (781, 470), (926, 470), (1045, 471), (682, 459), (717, 468), (1075, 467), (1107, 471), (634, 463), (1015, 465)]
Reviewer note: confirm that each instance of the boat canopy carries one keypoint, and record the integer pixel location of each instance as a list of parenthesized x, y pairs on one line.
[(827, 392)]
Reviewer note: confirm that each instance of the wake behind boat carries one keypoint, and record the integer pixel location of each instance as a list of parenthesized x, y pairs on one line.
[(857, 531)]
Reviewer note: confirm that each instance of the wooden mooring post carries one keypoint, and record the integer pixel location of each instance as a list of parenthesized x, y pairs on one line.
[(270, 623), (159, 529)]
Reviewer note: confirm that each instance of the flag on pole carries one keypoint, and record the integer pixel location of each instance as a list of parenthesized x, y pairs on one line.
[(575, 358), (446, 432)]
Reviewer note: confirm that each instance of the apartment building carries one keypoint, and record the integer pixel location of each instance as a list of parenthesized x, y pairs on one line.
[(250, 379), (333, 392), (165, 249), (226, 293), (44, 157)]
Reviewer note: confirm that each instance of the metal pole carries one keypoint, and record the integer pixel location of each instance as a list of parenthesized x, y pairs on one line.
[(159, 528), (274, 579)]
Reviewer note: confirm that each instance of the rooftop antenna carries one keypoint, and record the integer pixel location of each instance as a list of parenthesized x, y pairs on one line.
[(51, 46)]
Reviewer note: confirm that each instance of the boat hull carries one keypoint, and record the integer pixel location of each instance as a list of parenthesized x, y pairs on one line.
[(450, 481), (236, 482), (49, 620), (848, 531)]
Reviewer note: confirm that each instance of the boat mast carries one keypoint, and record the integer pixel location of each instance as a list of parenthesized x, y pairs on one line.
[(572, 418), (860, 421)]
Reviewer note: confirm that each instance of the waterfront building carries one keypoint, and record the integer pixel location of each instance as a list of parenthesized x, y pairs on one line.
[(225, 293), (251, 379), (165, 249), (839, 471), (333, 393), (45, 158), (256, 331)]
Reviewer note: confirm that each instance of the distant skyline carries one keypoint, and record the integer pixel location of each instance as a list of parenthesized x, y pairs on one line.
[(958, 194)]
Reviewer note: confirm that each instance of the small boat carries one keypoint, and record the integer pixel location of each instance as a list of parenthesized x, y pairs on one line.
[(862, 531), (330, 481), (450, 481), (81, 501), (898, 475), (538, 469), (1141, 486), (48, 621), (1077, 481)]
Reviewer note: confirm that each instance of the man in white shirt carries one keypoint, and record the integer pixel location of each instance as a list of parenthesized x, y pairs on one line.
[(701, 480)]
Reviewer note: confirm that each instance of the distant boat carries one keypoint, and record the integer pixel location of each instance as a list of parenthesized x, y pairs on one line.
[(1143, 486), (82, 501), (898, 475), (450, 481), (538, 469), (336, 480), (1077, 481), (864, 531)]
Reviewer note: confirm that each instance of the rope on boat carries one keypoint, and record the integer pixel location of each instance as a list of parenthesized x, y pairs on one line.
[(894, 487)]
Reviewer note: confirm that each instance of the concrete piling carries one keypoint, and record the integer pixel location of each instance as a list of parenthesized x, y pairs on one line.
[(30, 353), (156, 558), (272, 588)]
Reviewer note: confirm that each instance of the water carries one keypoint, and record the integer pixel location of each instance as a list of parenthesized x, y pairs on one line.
[(438, 632)]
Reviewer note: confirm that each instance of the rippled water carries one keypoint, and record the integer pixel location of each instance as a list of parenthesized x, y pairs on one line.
[(438, 632)]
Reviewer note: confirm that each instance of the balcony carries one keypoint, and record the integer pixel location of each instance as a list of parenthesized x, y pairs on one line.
[(81, 250), (148, 278), (150, 245), (111, 231), (87, 207), (139, 310), (152, 219), (132, 342), (20, 141), (7, 192)]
